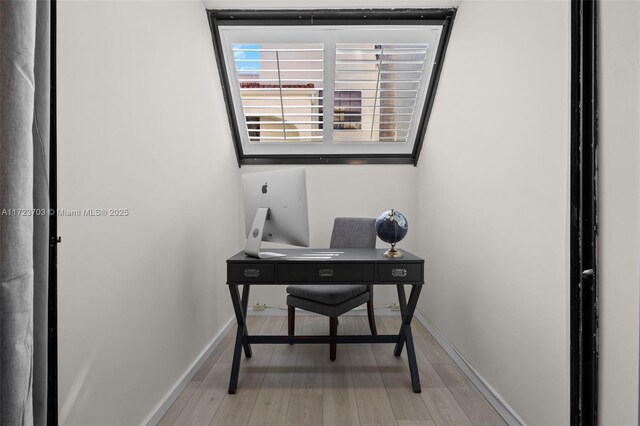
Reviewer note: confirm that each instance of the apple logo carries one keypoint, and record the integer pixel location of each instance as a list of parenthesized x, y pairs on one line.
[(264, 188)]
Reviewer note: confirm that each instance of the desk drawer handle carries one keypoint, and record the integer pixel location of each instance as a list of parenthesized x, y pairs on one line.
[(398, 272), (325, 272), (252, 273)]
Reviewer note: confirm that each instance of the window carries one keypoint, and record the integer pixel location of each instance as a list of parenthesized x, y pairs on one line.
[(329, 86), (347, 110)]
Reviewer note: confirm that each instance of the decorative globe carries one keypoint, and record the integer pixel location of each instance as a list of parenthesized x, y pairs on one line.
[(391, 227)]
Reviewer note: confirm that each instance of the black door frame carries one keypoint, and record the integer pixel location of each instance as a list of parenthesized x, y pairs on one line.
[(583, 221), (584, 208), (52, 317)]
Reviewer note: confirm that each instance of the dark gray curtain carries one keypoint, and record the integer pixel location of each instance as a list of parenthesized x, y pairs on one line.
[(24, 205)]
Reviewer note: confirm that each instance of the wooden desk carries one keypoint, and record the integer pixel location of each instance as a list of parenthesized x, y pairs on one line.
[(326, 266)]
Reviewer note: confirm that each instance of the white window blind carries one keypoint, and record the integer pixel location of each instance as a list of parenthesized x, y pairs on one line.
[(386, 78), (329, 89), (281, 88)]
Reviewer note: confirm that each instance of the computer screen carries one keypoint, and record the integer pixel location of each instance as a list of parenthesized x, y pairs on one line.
[(284, 194)]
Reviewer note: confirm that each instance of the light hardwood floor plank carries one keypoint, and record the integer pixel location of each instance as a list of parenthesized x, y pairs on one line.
[(476, 407), (306, 400), (204, 402), (218, 351), (236, 409), (416, 423), (308, 373), (308, 410), (374, 407), (444, 408), (307, 396), (339, 397), (273, 399), (451, 374), (429, 345), (177, 406)]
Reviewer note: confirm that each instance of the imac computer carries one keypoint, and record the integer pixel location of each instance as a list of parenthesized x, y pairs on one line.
[(275, 209)]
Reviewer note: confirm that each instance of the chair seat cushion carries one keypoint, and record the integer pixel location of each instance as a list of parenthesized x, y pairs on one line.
[(328, 310), (329, 294)]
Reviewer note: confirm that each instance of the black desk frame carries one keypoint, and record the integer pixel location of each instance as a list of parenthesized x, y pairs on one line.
[(407, 309)]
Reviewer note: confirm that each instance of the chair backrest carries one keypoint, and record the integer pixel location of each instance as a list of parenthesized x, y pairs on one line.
[(353, 232)]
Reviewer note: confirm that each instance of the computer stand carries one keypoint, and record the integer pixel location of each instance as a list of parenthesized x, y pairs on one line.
[(255, 236)]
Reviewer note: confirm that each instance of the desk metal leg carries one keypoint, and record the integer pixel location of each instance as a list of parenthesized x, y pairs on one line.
[(413, 365), (241, 333), (402, 301), (245, 304), (405, 336)]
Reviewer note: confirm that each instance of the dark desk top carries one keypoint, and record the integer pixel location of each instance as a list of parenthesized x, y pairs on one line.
[(327, 255), (318, 266)]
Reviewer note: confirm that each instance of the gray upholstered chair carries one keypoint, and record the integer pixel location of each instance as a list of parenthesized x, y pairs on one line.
[(335, 300)]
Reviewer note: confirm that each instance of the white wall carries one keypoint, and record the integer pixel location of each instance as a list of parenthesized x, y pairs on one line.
[(619, 211), (493, 201), (141, 125)]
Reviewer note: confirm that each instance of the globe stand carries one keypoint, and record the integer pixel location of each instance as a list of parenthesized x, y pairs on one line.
[(392, 252)]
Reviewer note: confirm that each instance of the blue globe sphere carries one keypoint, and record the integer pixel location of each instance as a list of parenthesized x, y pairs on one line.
[(391, 226)]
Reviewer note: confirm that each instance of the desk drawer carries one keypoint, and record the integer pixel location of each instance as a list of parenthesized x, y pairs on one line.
[(400, 272), (326, 272), (250, 273)]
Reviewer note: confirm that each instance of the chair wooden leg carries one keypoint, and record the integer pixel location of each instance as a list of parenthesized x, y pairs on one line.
[(292, 320), (372, 318), (333, 331)]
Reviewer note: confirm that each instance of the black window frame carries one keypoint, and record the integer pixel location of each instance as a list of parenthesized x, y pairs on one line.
[(443, 16)]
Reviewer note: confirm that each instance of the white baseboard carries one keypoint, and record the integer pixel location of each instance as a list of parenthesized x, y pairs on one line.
[(500, 405), (156, 414)]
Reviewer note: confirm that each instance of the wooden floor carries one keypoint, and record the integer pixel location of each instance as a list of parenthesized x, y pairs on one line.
[(298, 385)]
